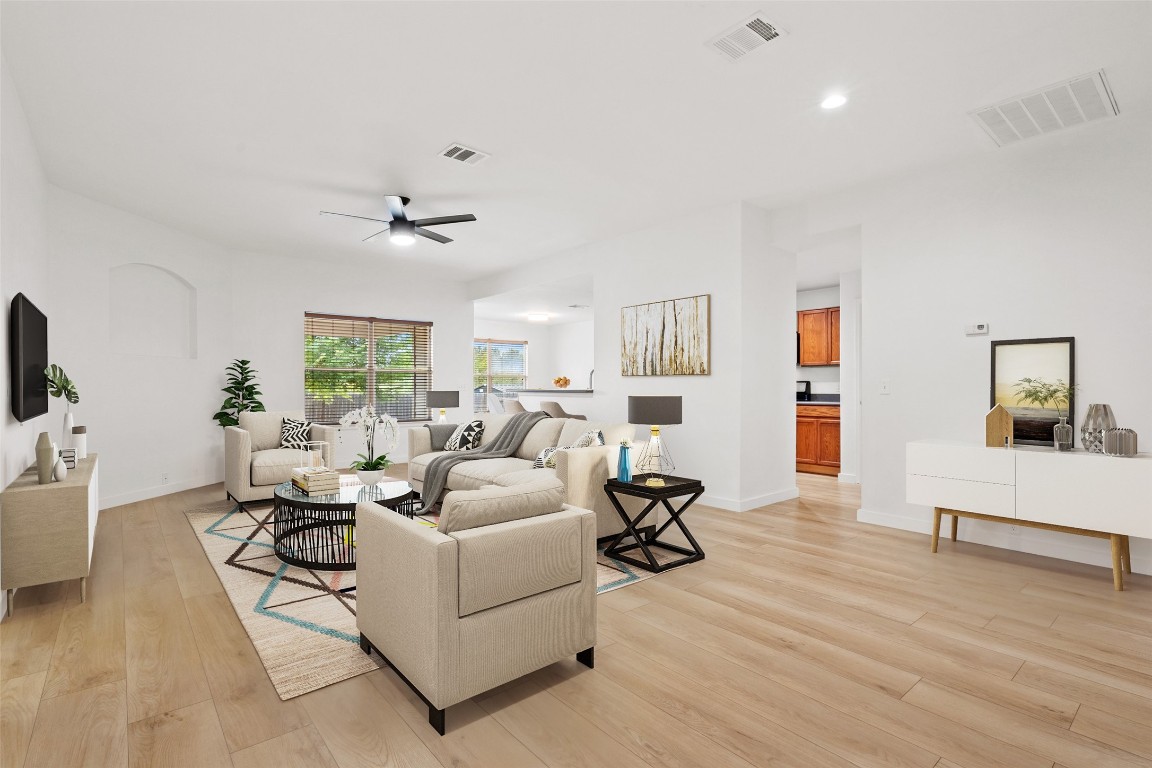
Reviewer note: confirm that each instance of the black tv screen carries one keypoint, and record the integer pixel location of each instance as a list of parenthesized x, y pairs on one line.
[(28, 347)]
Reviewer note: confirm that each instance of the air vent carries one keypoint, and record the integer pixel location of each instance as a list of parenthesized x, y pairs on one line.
[(1063, 105), (579, 306), (463, 154), (745, 37)]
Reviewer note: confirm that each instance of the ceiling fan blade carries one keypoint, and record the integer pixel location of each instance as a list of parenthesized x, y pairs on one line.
[(433, 235), (333, 213), (444, 220), (395, 206), (376, 235)]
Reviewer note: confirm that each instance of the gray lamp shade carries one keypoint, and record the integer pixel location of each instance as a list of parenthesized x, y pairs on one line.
[(658, 410), (444, 398)]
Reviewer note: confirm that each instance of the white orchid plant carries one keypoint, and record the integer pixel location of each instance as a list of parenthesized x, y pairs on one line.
[(371, 427)]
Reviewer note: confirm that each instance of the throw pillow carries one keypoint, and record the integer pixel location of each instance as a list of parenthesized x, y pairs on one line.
[(544, 457), (589, 438), (294, 433), (466, 437)]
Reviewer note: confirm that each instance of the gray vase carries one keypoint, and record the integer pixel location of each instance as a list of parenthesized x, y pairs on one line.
[(1098, 419), (45, 459)]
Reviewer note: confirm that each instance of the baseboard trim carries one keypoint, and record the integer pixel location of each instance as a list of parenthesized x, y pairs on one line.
[(743, 505), (142, 494)]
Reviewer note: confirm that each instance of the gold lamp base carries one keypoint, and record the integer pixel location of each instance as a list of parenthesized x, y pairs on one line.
[(654, 482)]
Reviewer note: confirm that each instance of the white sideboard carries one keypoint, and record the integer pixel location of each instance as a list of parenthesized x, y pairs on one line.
[(1087, 493), (47, 531)]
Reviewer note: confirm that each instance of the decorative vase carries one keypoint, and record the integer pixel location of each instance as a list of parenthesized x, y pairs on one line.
[(1062, 435), (624, 466), (80, 442), (44, 459), (370, 476), (66, 439), (60, 471), (1098, 419)]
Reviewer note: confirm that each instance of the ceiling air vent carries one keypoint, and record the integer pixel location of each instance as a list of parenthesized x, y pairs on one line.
[(745, 37), (463, 154), (1063, 105)]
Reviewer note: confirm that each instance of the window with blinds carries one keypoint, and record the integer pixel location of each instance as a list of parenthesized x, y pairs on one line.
[(351, 362), (499, 368)]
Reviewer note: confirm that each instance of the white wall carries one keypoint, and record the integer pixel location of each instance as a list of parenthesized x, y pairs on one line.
[(539, 338), (850, 308), (23, 266), (825, 378), (573, 352), (1047, 238), (707, 254)]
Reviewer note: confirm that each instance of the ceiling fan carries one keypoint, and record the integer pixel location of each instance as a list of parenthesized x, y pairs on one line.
[(402, 230)]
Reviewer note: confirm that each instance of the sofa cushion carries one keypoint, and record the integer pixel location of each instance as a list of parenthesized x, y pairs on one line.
[(543, 434), (520, 559), (470, 475), (494, 504), (274, 465), (264, 427), (522, 476), (494, 424)]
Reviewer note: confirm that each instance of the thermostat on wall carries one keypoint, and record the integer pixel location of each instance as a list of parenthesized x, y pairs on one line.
[(976, 329)]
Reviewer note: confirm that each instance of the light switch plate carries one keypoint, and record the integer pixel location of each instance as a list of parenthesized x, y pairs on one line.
[(976, 329), (885, 387)]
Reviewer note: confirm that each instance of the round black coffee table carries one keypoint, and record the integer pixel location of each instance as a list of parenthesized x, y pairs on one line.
[(319, 531)]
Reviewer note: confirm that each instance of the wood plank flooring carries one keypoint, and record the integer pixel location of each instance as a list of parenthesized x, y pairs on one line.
[(804, 639)]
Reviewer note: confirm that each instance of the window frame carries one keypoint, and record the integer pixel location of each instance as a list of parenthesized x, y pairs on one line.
[(371, 369), (482, 407)]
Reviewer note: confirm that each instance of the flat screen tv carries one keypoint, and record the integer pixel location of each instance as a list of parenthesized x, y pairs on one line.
[(28, 347)]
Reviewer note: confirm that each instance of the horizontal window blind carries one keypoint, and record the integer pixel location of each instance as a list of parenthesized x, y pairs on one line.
[(499, 367), (351, 362)]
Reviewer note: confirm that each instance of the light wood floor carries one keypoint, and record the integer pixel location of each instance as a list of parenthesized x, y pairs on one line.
[(804, 639)]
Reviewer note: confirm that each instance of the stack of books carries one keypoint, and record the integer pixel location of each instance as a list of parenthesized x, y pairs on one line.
[(315, 481), (69, 457)]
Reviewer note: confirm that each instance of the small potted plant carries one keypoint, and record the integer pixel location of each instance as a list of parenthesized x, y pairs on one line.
[(1040, 393), (370, 466)]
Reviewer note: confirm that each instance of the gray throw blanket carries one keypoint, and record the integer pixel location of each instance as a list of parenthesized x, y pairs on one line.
[(505, 444)]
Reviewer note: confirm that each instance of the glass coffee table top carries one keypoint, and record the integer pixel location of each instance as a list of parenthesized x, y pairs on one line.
[(351, 492)]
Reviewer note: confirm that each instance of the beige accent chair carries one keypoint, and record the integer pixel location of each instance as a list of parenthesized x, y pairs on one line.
[(556, 411), (254, 462), (504, 586), (511, 406)]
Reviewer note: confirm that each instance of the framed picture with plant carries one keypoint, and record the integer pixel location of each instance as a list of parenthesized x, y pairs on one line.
[(1035, 379)]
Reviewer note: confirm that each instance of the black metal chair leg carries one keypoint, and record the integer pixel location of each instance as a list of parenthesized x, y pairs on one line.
[(587, 657), (436, 719)]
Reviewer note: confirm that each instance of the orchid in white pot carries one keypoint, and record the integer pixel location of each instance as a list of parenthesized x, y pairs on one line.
[(379, 432)]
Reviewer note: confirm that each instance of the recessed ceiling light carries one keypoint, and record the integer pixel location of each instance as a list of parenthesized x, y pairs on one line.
[(834, 101), (538, 317)]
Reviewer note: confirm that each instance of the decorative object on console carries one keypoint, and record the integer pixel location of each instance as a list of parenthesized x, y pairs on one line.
[(242, 394), (624, 463), (444, 399), (1120, 442), (1038, 361), (44, 459), (80, 441), (666, 338), (68, 456), (998, 428), (561, 382), (59, 471), (1040, 393), (1098, 419), (466, 437), (660, 410), (59, 385)]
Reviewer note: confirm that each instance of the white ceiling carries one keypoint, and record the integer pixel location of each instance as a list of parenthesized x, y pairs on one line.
[(553, 299), (240, 121)]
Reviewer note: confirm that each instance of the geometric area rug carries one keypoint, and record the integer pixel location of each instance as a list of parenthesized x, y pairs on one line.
[(302, 622)]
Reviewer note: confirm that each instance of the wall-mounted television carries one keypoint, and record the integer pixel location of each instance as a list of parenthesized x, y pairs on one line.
[(28, 348)]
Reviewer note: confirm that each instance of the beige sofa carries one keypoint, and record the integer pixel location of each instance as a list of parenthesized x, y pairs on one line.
[(505, 586), (254, 462), (583, 471)]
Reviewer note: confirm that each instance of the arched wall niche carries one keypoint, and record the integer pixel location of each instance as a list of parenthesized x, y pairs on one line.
[(151, 312)]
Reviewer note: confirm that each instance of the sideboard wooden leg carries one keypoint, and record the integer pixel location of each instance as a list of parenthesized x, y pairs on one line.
[(1117, 561), (955, 526), (935, 529), (1127, 555), (83, 589)]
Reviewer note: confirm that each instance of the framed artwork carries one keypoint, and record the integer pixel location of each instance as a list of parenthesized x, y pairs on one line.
[(666, 338), (1049, 359)]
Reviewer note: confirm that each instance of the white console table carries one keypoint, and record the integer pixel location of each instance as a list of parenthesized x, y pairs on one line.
[(1088, 494), (46, 531)]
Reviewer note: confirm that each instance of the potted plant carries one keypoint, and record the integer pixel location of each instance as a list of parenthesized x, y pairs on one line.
[(59, 385), (370, 466), (1040, 393), (242, 394)]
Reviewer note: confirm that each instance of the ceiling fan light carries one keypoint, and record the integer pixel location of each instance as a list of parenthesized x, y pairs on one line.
[(834, 101), (401, 238), (402, 232)]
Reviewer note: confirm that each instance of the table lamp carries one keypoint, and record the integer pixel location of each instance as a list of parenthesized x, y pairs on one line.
[(443, 398), (655, 460)]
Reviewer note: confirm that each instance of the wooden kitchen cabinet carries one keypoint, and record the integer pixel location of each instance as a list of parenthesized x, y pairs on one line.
[(819, 336), (818, 439)]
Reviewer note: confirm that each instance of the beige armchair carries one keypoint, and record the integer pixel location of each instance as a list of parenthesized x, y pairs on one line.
[(504, 586), (556, 411), (254, 462)]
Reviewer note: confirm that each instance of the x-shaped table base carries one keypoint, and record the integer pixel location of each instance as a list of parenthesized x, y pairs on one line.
[(617, 549)]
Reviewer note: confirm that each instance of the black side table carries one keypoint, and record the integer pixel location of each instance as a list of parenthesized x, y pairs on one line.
[(673, 487)]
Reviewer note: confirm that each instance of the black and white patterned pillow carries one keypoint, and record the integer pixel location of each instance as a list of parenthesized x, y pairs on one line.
[(588, 439), (294, 433), (466, 437), (544, 457)]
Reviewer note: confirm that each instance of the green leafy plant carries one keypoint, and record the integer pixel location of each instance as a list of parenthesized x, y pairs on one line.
[(242, 394), (1040, 393), (59, 385), (366, 464)]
